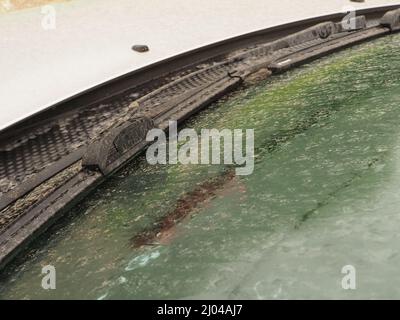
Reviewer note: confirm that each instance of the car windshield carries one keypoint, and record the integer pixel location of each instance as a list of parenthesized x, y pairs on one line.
[(323, 194)]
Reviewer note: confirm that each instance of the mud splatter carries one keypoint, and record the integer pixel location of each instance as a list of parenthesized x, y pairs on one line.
[(165, 229)]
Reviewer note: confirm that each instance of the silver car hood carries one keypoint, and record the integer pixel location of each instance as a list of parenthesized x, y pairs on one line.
[(92, 41)]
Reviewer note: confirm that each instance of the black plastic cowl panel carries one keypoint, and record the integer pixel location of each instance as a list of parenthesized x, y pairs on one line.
[(391, 20)]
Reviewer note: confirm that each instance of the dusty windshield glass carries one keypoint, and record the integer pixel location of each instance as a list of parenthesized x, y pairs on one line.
[(323, 195)]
